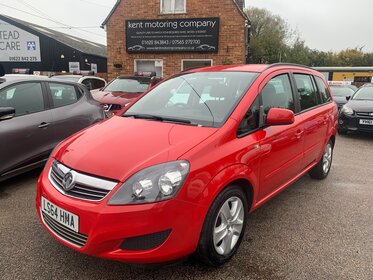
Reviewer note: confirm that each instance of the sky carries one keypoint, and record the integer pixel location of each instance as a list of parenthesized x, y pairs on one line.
[(327, 25)]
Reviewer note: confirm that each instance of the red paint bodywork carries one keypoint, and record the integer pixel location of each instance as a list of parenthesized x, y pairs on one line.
[(265, 162)]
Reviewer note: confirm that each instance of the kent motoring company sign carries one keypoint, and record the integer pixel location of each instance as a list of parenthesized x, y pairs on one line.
[(18, 45), (172, 35)]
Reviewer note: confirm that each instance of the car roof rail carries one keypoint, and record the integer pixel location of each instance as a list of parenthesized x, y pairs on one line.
[(287, 64)]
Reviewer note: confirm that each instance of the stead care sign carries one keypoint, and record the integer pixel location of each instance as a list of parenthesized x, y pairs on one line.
[(17, 45), (172, 35)]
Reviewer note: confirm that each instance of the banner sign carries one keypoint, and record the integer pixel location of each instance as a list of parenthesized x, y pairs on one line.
[(172, 35), (18, 45), (74, 67)]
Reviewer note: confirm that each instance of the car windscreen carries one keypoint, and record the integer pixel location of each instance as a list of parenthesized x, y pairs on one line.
[(201, 98), (364, 93), (128, 85), (67, 78), (342, 91)]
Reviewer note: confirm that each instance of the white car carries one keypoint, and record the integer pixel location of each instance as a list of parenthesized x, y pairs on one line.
[(91, 82)]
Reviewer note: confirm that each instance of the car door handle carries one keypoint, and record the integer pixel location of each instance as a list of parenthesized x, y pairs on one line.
[(299, 134), (43, 124)]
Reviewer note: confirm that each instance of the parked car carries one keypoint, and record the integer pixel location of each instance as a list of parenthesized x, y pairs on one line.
[(180, 171), (91, 82), (35, 115), (13, 77), (341, 94), (357, 113), (123, 91)]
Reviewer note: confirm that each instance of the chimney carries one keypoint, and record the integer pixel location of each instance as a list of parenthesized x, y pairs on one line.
[(241, 4)]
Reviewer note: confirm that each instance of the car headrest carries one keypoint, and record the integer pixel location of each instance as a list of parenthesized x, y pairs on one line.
[(269, 90)]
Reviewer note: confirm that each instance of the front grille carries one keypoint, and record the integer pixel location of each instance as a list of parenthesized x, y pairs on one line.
[(85, 187), (365, 114), (65, 233)]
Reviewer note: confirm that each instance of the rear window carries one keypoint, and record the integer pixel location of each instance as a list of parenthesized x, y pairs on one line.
[(306, 90)]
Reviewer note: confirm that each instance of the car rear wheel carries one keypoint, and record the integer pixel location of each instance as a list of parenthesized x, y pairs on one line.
[(224, 227), (321, 170)]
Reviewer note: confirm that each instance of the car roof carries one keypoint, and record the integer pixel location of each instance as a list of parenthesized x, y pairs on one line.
[(32, 79), (250, 68)]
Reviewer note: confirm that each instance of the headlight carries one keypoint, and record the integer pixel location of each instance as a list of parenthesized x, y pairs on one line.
[(347, 110), (152, 184)]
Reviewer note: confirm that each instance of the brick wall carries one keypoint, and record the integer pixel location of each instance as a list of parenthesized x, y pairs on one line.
[(231, 34)]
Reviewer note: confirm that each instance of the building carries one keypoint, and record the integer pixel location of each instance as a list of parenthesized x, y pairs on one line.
[(27, 47), (168, 36)]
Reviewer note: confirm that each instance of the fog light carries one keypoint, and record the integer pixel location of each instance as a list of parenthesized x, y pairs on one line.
[(340, 121)]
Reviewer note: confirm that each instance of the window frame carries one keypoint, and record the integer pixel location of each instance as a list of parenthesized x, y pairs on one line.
[(43, 90), (172, 8)]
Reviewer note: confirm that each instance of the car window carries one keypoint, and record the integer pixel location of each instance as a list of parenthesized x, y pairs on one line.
[(88, 83), (250, 121), (25, 98), (342, 91), (306, 90), (128, 85), (277, 93), (97, 83), (364, 93), (323, 90), (63, 94)]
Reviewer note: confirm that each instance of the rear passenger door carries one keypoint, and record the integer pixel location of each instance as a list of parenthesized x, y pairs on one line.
[(69, 116), (315, 117), (28, 136)]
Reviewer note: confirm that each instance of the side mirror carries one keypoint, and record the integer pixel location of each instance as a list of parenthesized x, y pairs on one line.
[(348, 98), (7, 113), (278, 116)]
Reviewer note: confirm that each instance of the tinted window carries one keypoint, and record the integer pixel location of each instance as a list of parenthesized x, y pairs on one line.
[(25, 98), (98, 83), (88, 83), (323, 90), (251, 120), (205, 98), (277, 93), (63, 95), (307, 94)]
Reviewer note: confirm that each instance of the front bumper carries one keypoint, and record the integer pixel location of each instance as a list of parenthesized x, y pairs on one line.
[(109, 227), (352, 123)]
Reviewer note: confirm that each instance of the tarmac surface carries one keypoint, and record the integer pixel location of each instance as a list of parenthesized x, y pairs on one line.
[(312, 230)]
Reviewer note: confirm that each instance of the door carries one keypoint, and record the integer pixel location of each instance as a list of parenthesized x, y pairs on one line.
[(281, 146), (28, 136), (315, 118)]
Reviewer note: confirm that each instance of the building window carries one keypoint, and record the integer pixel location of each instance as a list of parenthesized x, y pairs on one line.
[(173, 6), (195, 63)]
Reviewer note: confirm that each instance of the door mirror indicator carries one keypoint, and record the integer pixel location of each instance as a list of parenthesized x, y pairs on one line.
[(278, 116)]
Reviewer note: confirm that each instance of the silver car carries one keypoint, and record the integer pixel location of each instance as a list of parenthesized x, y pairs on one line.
[(35, 115)]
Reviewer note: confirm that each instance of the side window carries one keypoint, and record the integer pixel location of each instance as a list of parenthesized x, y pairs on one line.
[(277, 93), (306, 90), (63, 94), (251, 120), (323, 90), (88, 83), (25, 98), (98, 83)]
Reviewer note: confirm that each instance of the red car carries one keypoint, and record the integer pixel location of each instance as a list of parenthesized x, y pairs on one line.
[(180, 171), (123, 91)]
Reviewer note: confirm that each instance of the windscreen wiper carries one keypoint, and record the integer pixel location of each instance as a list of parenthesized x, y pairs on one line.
[(158, 118)]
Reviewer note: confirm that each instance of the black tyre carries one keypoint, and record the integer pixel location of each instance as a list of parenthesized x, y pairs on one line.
[(321, 170), (224, 227)]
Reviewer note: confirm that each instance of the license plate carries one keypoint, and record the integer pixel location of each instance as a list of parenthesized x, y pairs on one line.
[(60, 215), (366, 122)]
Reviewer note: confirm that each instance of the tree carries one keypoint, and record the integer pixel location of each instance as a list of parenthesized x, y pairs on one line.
[(269, 35)]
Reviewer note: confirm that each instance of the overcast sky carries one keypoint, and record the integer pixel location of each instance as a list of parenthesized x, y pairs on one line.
[(324, 24)]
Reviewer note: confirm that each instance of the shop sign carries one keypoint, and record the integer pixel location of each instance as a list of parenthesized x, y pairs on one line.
[(17, 45), (172, 35)]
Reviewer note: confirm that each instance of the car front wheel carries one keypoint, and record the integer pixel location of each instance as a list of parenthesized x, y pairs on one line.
[(224, 227)]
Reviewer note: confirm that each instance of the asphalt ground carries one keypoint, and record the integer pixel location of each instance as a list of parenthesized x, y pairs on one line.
[(312, 230)]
